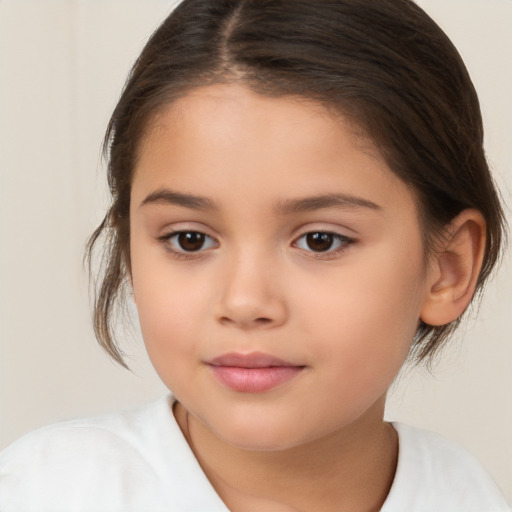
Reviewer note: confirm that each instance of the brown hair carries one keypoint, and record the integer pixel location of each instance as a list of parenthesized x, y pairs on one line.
[(383, 63)]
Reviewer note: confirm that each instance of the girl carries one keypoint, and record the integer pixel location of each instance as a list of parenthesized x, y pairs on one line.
[(300, 203)]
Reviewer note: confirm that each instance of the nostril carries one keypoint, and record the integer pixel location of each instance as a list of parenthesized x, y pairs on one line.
[(263, 321)]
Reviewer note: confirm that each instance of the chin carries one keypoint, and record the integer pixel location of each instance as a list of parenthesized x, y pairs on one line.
[(262, 436)]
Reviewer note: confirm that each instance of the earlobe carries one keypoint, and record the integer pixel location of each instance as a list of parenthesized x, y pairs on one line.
[(454, 269)]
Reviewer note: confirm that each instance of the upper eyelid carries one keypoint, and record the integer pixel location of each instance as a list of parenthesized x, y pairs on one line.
[(167, 233), (169, 230), (173, 231), (341, 231), (316, 225)]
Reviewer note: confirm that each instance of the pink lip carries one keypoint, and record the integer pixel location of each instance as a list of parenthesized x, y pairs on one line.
[(252, 373)]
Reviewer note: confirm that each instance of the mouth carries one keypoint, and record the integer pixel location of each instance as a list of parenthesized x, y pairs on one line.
[(253, 373)]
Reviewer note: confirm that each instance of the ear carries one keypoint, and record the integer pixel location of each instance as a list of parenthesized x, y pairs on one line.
[(453, 269)]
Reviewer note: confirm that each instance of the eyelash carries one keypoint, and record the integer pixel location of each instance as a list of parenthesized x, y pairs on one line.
[(344, 243)]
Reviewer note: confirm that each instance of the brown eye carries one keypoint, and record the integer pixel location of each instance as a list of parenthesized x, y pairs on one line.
[(190, 241), (183, 244), (323, 242), (319, 242)]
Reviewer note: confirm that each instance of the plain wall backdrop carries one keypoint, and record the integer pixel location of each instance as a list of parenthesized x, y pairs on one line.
[(62, 66)]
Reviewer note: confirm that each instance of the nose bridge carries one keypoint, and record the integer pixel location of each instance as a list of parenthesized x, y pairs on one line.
[(252, 295)]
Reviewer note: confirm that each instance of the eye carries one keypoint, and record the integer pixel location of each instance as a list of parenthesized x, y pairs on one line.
[(322, 242), (189, 241)]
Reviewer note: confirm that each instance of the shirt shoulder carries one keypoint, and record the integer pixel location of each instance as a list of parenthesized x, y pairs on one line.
[(132, 461), (434, 473)]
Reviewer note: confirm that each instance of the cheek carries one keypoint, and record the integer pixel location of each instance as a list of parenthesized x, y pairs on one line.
[(165, 314), (169, 329), (168, 306), (363, 320)]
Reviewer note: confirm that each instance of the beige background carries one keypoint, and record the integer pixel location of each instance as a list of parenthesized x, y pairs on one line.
[(62, 65)]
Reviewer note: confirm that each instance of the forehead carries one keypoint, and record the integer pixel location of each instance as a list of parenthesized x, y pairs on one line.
[(228, 135), (236, 103)]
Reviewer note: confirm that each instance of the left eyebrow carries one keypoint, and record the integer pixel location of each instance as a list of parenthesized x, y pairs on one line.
[(319, 202)]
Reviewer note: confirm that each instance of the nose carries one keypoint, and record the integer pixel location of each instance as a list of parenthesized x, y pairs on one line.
[(251, 294)]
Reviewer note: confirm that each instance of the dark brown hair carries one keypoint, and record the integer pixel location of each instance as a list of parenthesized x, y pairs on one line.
[(382, 63)]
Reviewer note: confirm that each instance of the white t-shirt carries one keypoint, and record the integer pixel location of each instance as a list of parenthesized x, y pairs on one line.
[(139, 461)]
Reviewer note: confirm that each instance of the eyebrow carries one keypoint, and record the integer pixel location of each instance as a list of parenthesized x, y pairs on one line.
[(319, 202), (287, 207), (166, 196)]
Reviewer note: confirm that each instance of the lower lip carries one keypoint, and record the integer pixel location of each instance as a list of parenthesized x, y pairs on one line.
[(255, 380)]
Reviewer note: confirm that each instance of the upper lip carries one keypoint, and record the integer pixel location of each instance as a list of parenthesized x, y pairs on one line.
[(251, 360)]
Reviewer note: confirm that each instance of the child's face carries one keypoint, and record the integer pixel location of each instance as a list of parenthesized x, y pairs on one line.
[(340, 306)]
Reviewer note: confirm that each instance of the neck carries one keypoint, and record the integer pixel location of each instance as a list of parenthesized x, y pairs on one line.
[(351, 469)]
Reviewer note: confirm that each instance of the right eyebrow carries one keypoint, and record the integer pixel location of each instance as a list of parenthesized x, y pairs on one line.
[(166, 196)]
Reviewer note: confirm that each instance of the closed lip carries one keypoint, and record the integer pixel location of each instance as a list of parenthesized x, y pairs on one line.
[(251, 360), (254, 372)]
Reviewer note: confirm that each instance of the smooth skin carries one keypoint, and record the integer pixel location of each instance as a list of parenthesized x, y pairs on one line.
[(232, 192)]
